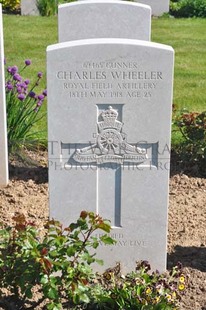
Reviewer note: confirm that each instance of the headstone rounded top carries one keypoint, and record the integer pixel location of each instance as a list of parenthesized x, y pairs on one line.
[(111, 41), (104, 19), (86, 2)]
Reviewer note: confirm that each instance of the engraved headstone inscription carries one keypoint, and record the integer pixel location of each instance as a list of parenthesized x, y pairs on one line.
[(109, 116), (3, 128), (159, 7), (103, 19)]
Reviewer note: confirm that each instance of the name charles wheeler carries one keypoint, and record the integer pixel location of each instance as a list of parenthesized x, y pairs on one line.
[(115, 75)]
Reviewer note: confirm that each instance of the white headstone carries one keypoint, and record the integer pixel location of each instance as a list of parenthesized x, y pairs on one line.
[(159, 7), (3, 128), (109, 119), (103, 19), (29, 7)]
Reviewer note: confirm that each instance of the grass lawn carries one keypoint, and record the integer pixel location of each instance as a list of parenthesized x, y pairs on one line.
[(26, 37), (187, 37)]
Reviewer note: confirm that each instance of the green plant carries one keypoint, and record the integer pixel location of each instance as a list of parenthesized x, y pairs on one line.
[(139, 290), (23, 106), (58, 266), (50, 7), (47, 7), (188, 8), (10, 5), (192, 126)]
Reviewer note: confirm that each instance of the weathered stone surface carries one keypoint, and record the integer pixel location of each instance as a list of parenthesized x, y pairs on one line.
[(159, 7), (109, 118), (3, 128), (29, 7), (104, 19)]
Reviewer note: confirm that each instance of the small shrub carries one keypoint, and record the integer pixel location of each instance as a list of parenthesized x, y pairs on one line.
[(50, 7), (58, 267), (10, 5), (59, 264), (23, 106), (188, 8), (139, 290), (47, 7), (192, 126)]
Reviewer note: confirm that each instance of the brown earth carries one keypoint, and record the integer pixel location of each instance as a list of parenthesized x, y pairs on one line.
[(27, 192)]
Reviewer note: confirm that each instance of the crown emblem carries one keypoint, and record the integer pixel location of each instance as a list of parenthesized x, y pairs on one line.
[(109, 117), (109, 114)]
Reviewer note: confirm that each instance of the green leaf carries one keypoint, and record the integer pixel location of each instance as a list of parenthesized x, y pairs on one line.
[(105, 227), (84, 298), (107, 240), (53, 253), (99, 261), (73, 226), (44, 279), (52, 293), (28, 292), (54, 306), (88, 258), (95, 245), (71, 251)]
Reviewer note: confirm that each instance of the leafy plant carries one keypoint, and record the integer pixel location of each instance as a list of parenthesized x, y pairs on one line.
[(188, 8), (140, 289), (192, 126), (50, 7), (23, 106), (10, 5), (58, 266), (47, 7)]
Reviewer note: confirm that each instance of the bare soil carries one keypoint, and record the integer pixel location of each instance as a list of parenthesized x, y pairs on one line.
[(27, 193)]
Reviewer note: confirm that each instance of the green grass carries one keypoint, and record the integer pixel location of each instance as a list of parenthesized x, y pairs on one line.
[(26, 37), (187, 37)]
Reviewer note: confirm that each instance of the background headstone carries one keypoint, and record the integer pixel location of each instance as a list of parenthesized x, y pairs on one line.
[(103, 19), (109, 118), (29, 7), (3, 128), (159, 7)]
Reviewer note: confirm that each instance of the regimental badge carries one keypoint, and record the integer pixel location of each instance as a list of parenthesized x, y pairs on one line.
[(111, 145)]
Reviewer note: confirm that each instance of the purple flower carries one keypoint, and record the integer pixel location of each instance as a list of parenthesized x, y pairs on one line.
[(32, 94), (27, 82), (23, 85), (40, 74), (39, 103), (9, 86), (17, 77), (14, 70), (9, 69), (45, 92), (21, 97), (19, 90), (40, 97), (27, 62)]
